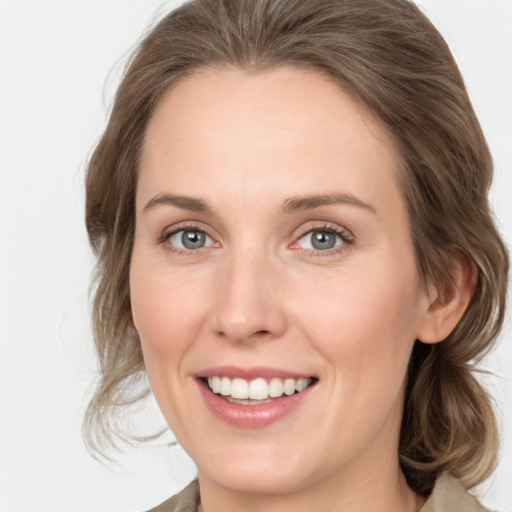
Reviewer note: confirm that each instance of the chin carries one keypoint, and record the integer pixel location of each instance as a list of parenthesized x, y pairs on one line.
[(257, 476)]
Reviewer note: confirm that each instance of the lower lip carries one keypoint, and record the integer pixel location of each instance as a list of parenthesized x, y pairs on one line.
[(252, 416)]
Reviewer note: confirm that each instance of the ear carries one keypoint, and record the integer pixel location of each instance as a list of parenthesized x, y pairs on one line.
[(448, 301)]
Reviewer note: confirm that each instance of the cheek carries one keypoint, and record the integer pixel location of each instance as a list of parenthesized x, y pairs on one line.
[(166, 315), (365, 323), (165, 311)]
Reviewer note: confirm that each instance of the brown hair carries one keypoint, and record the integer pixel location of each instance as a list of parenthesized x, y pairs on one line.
[(387, 54)]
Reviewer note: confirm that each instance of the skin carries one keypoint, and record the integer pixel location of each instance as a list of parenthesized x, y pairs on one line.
[(259, 294)]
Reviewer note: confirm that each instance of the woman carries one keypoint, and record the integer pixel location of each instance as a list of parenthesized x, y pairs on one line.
[(289, 207)]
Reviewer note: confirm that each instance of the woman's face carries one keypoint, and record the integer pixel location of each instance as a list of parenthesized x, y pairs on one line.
[(272, 252)]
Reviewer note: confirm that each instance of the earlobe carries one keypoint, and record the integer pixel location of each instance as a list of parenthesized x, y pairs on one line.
[(448, 302)]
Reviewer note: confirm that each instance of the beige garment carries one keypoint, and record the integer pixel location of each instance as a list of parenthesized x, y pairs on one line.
[(185, 501), (449, 495)]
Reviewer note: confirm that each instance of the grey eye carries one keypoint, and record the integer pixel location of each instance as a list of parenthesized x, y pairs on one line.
[(190, 239), (320, 240)]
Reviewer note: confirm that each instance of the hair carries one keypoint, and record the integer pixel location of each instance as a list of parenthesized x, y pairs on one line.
[(388, 55)]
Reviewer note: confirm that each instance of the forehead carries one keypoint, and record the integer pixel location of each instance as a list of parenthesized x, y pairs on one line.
[(233, 125)]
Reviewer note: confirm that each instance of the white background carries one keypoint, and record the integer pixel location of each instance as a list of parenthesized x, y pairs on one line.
[(55, 57)]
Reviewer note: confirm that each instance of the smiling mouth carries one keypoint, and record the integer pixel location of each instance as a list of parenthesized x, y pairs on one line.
[(256, 391)]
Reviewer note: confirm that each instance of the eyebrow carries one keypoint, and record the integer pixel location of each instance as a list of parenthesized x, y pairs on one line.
[(302, 203), (184, 202), (291, 205)]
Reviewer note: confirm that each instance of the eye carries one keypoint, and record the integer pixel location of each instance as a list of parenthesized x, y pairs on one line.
[(321, 240), (189, 239)]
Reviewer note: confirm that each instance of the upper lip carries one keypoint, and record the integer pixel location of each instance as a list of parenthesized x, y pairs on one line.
[(250, 373)]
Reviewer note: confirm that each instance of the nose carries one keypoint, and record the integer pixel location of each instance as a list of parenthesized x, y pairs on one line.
[(249, 305)]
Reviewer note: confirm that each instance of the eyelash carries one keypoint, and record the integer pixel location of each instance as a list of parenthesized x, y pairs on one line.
[(343, 234), (168, 233), (347, 239)]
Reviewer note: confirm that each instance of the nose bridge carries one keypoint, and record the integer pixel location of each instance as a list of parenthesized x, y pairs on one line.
[(249, 305)]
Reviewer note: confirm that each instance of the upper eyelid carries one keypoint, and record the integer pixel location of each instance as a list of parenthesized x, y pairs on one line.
[(323, 226), (331, 229), (186, 226), (167, 234)]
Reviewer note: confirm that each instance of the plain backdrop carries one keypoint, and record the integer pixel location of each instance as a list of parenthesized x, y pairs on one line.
[(60, 62)]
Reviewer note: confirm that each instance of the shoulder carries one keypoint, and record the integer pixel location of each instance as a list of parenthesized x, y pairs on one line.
[(185, 501), (449, 495)]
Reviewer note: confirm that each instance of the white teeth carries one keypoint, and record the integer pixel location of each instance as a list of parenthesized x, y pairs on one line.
[(239, 388), (289, 386), (257, 389), (214, 383), (225, 386), (275, 388), (301, 385)]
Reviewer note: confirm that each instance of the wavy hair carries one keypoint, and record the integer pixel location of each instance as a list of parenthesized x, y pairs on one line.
[(387, 54)]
